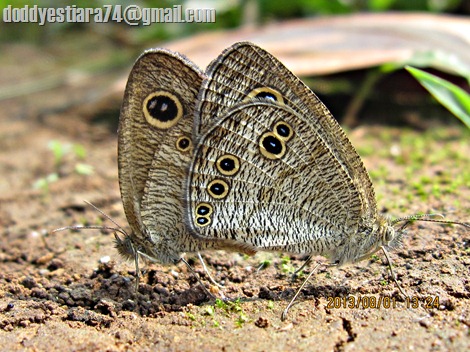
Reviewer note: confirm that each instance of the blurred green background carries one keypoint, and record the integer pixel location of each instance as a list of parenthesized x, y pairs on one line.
[(230, 14), (98, 49)]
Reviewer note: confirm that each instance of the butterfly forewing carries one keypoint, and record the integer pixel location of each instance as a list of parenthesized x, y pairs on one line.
[(154, 149)]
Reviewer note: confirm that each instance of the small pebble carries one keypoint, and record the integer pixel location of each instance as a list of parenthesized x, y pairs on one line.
[(105, 259)]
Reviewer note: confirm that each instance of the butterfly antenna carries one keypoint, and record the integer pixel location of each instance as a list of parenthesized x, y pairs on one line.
[(284, 313), (422, 217), (93, 227), (106, 216), (118, 228), (124, 246), (408, 220), (207, 271)]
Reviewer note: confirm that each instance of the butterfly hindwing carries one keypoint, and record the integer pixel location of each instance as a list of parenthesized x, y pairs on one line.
[(262, 176), (245, 72)]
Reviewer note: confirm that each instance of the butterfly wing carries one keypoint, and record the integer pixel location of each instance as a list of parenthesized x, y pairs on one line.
[(262, 175), (154, 150), (155, 144), (244, 72)]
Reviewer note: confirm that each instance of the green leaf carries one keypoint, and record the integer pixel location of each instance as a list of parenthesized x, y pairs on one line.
[(454, 98), (79, 151), (59, 150), (84, 169), (43, 183), (380, 5), (210, 310)]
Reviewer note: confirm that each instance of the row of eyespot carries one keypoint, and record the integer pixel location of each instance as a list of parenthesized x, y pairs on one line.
[(272, 145)]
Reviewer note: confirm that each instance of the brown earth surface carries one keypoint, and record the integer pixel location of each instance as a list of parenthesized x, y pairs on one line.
[(60, 291)]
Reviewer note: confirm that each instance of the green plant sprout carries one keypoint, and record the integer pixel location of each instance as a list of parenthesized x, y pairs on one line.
[(264, 264), (242, 318), (375, 258), (59, 151), (286, 265), (210, 310), (228, 308), (83, 169), (44, 182)]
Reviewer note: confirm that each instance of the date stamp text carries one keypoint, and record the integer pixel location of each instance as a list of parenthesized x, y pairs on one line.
[(364, 302)]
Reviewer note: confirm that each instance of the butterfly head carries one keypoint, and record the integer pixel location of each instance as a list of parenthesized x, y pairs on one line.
[(391, 236), (125, 246), (386, 234), (370, 239), (150, 245)]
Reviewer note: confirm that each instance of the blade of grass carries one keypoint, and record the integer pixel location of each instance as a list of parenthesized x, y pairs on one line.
[(454, 98)]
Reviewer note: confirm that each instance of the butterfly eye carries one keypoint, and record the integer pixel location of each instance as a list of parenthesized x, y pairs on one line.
[(271, 146), (183, 144), (228, 165), (283, 130), (218, 189), (265, 93), (389, 234), (162, 109)]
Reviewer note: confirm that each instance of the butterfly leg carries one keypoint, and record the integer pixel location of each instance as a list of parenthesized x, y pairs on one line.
[(127, 249), (211, 279), (137, 271), (284, 313), (197, 277), (392, 274), (307, 262)]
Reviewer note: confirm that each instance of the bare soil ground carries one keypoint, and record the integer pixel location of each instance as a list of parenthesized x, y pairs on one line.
[(60, 292)]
